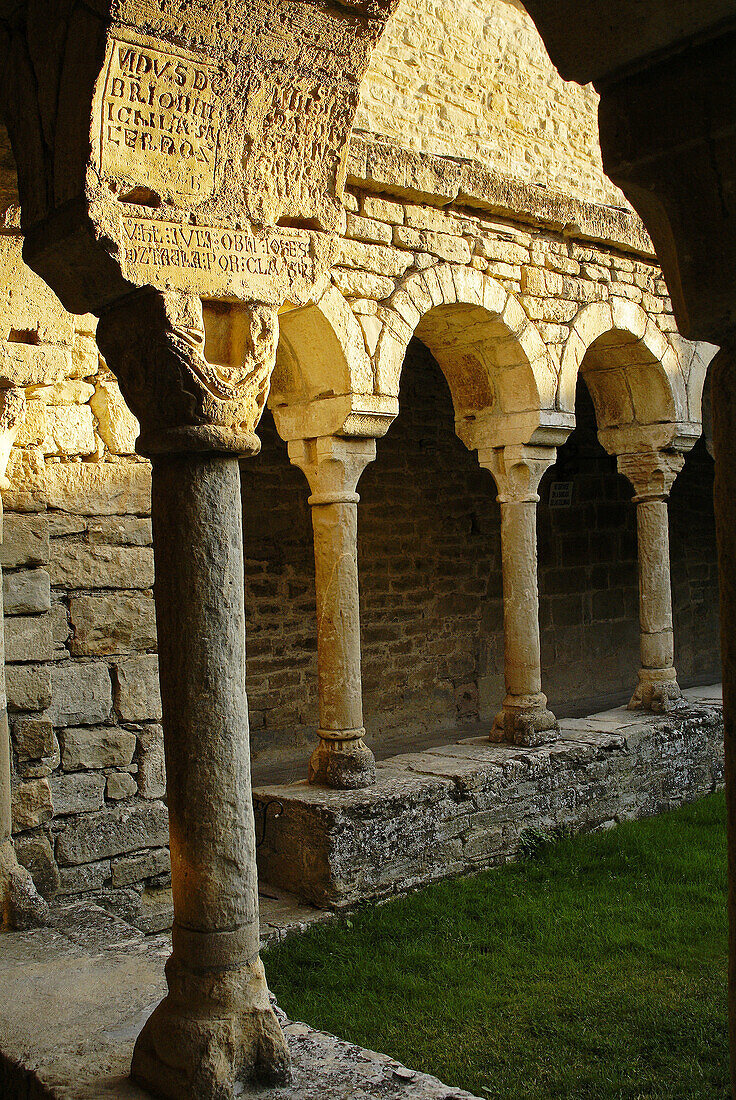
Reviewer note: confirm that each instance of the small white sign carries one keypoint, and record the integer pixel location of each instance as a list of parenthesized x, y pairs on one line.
[(560, 494)]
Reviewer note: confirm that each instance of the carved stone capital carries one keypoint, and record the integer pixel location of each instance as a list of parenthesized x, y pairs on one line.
[(652, 473), (518, 470), (154, 343), (332, 466)]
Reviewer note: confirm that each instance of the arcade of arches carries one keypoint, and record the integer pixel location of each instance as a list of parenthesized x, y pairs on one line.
[(482, 502)]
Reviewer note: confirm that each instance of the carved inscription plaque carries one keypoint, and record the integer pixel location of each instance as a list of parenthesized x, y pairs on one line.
[(216, 260), (159, 119)]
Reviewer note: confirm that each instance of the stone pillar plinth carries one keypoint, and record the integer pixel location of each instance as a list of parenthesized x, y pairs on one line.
[(20, 904), (517, 471), (652, 474), (333, 466), (215, 1033)]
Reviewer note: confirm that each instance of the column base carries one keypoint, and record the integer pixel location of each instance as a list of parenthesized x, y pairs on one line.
[(213, 1035), (525, 722), (657, 690), (21, 906), (345, 765)]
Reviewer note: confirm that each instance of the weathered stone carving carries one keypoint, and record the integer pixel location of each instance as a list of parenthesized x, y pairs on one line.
[(20, 904), (653, 474), (517, 471)]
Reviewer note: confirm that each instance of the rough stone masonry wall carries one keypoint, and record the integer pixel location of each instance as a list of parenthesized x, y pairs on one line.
[(471, 78)]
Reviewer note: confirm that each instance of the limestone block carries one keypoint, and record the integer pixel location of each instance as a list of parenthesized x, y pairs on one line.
[(112, 624), (455, 250), (98, 488), (137, 696), (33, 738), (27, 592), (68, 392), (136, 868), (116, 423), (78, 793), (120, 785), (433, 218), (61, 630), (151, 762), (371, 327), (25, 475), (69, 430), (77, 565), (81, 694), (373, 257), (113, 832), (101, 747), (35, 854), (121, 531), (356, 283), (405, 236), (350, 202), (31, 804), (28, 638), (85, 878), (32, 431), (25, 541), (383, 209), (85, 356), (538, 281), (497, 248), (367, 229), (28, 686), (61, 525), (24, 364)]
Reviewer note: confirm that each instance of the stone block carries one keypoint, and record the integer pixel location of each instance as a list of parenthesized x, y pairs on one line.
[(96, 747), (27, 592), (143, 865), (81, 694), (383, 210), (77, 565), (121, 530), (28, 687), (69, 431), (112, 623), (120, 785), (378, 258), (85, 356), (28, 638), (79, 793), (33, 738), (362, 284), (60, 628), (116, 424), (98, 488), (26, 364), (32, 431), (137, 694), (61, 525), (84, 878), (25, 541), (35, 854), (151, 762), (113, 832), (367, 229), (31, 804), (68, 392)]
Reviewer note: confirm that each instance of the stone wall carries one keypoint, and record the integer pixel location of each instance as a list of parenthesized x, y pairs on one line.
[(473, 79)]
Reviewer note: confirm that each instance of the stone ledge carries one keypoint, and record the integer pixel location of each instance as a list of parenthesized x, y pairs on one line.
[(441, 181), (71, 1016), (461, 808)]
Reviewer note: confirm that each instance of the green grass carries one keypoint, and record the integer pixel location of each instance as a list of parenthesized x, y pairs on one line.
[(594, 970)]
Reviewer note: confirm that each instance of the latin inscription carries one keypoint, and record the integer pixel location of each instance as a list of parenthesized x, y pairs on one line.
[(207, 258), (160, 119)]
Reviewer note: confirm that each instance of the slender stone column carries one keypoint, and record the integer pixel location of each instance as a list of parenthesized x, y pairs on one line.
[(518, 470), (333, 466), (652, 474), (20, 904), (215, 1032)]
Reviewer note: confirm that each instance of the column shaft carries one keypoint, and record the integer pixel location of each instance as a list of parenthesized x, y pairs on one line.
[(655, 596), (218, 1001)]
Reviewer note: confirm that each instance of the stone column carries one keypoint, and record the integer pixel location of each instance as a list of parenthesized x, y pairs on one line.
[(333, 466), (518, 470), (652, 475), (20, 904), (215, 1032)]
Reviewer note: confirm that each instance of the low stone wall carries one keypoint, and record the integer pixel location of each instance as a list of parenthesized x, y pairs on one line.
[(465, 807)]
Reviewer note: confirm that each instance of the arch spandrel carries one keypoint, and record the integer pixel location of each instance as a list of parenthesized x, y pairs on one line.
[(496, 364)]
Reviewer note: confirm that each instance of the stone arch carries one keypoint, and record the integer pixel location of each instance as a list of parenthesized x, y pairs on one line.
[(494, 360), (634, 375)]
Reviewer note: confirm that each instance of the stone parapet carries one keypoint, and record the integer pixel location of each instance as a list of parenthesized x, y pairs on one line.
[(465, 807)]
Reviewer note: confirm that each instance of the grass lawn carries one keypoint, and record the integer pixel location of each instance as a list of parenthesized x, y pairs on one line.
[(594, 969)]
